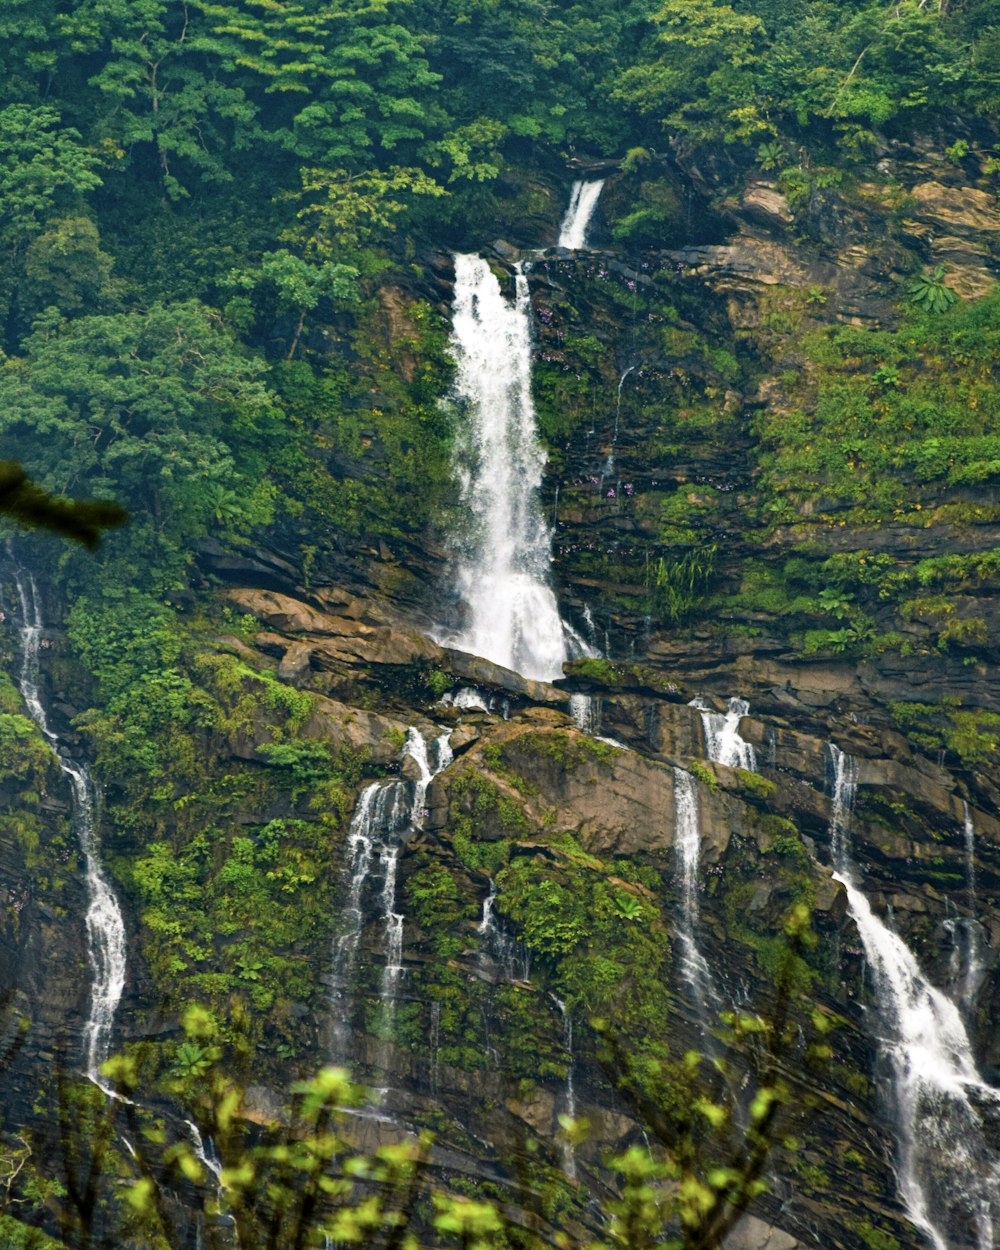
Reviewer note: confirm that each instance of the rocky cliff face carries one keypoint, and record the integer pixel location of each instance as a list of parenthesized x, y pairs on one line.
[(542, 886)]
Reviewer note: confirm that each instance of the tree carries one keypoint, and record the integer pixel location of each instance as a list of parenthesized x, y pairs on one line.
[(160, 409), (297, 1180)]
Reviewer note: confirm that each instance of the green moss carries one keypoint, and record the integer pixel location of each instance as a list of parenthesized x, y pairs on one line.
[(754, 785)]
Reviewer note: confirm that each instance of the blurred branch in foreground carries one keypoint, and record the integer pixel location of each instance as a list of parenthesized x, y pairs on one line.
[(30, 505)]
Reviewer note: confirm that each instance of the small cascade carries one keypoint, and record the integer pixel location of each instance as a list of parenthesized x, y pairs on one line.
[(949, 1177), (586, 712), (590, 627), (569, 1097), (687, 851), (723, 743), (582, 203), (609, 465), (384, 812), (106, 950), (510, 956), (205, 1153), (975, 938)]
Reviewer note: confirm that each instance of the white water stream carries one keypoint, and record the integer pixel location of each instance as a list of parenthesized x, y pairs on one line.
[(687, 852), (569, 1095), (723, 743), (384, 812), (511, 957), (975, 945), (502, 573), (582, 203), (949, 1176), (104, 924)]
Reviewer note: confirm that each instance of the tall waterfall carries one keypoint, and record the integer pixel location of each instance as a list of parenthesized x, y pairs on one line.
[(384, 812), (687, 851), (104, 923), (582, 202), (723, 743), (949, 1176), (502, 574)]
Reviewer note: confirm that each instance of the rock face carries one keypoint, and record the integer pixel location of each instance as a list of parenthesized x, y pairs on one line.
[(539, 879)]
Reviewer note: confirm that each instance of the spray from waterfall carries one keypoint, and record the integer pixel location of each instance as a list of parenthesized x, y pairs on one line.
[(582, 203), (949, 1175), (723, 743), (104, 924)]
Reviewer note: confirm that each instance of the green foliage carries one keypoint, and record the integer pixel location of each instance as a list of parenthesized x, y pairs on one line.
[(677, 585), (876, 1238), (929, 292)]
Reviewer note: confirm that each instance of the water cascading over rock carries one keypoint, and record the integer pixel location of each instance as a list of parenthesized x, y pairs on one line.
[(723, 743), (687, 850), (949, 1175), (385, 812), (504, 555), (582, 203), (106, 949)]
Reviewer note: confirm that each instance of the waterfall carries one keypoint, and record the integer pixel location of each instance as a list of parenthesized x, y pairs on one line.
[(467, 699), (975, 958), (586, 712), (569, 1097), (502, 573), (949, 1178), (509, 955), (609, 466), (723, 743), (582, 202), (687, 851), (384, 812), (104, 924)]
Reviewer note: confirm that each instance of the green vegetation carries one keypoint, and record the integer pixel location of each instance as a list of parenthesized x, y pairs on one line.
[(221, 305)]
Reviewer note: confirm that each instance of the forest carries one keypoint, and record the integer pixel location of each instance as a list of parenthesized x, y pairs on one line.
[(766, 448)]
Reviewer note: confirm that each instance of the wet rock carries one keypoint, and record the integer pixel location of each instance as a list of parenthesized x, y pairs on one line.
[(752, 1233), (764, 203)]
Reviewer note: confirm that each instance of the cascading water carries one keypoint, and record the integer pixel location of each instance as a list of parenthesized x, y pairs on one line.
[(510, 956), (723, 743), (975, 954), (384, 812), (609, 465), (501, 575), (582, 203), (586, 712), (104, 923), (687, 851), (949, 1177), (569, 1096)]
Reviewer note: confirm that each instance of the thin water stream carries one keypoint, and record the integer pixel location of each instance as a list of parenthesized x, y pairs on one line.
[(687, 852), (579, 214), (384, 813), (106, 950)]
